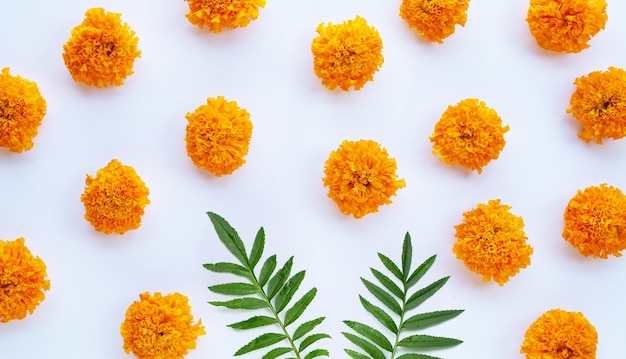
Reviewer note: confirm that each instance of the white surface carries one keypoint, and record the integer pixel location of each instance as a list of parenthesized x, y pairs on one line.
[(267, 68)]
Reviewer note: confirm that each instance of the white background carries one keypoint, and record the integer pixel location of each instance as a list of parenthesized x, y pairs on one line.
[(267, 68)]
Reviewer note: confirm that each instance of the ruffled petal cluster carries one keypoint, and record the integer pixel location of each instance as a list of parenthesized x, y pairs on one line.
[(435, 20), (217, 15)]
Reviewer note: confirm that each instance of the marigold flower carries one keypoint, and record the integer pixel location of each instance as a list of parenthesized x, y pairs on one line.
[(114, 200), (469, 134), (599, 103), (159, 327), (220, 14), (434, 19), (360, 177), (491, 242), (595, 221), (560, 334), (218, 136), (566, 25), (347, 54), (21, 111), (101, 50), (22, 280)]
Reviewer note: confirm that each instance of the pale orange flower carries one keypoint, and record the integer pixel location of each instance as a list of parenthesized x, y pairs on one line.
[(434, 19), (220, 14)]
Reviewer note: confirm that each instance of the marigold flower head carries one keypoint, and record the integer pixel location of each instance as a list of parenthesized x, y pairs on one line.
[(23, 280), (434, 19), (22, 109), (101, 50), (220, 14), (560, 334), (469, 134), (347, 55), (599, 103), (595, 221), (160, 327), (114, 200), (360, 177), (218, 136), (566, 25), (491, 242)]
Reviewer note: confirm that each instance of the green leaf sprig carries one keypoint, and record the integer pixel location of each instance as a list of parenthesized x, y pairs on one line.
[(271, 290), (397, 303)]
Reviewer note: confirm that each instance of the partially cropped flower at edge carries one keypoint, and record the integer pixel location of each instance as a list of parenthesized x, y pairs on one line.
[(22, 109), (560, 334), (347, 55), (492, 243), (217, 15), (160, 327), (360, 177), (102, 50), (23, 280), (435, 20), (566, 25), (115, 198)]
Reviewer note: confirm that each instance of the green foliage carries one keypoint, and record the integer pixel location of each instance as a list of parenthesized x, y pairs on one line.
[(396, 302), (272, 290)]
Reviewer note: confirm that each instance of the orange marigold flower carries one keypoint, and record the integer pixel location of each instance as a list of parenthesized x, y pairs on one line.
[(159, 327), (434, 19), (360, 177), (22, 280), (566, 25), (560, 334), (220, 14), (491, 242), (218, 136), (347, 54), (115, 199), (599, 103), (21, 111), (595, 221), (102, 49), (469, 134)]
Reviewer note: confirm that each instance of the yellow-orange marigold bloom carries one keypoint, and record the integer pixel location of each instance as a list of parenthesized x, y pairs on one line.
[(434, 19), (566, 25), (360, 177), (23, 280), (220, 14), (218, 136), (347, 55), (595, 221), (22, 109), (469, 134), (491, 242), (560, 334), (160, 327), (101, 50), (114, 200), (599, 103)]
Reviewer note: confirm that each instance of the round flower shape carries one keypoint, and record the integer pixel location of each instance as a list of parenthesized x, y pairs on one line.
[(347, 55), (218, 136), (21, 112), (101, 50), (469, 134), (434, 19), (160, 326), (360, 177), (560, 334), (115, 199), (220, 14), (491, 242), (599, 103), (566, 25), (22, 280), (595, 221)]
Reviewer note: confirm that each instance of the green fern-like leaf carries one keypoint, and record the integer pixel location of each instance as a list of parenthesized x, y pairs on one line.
[(271, 290), (396, 300)]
